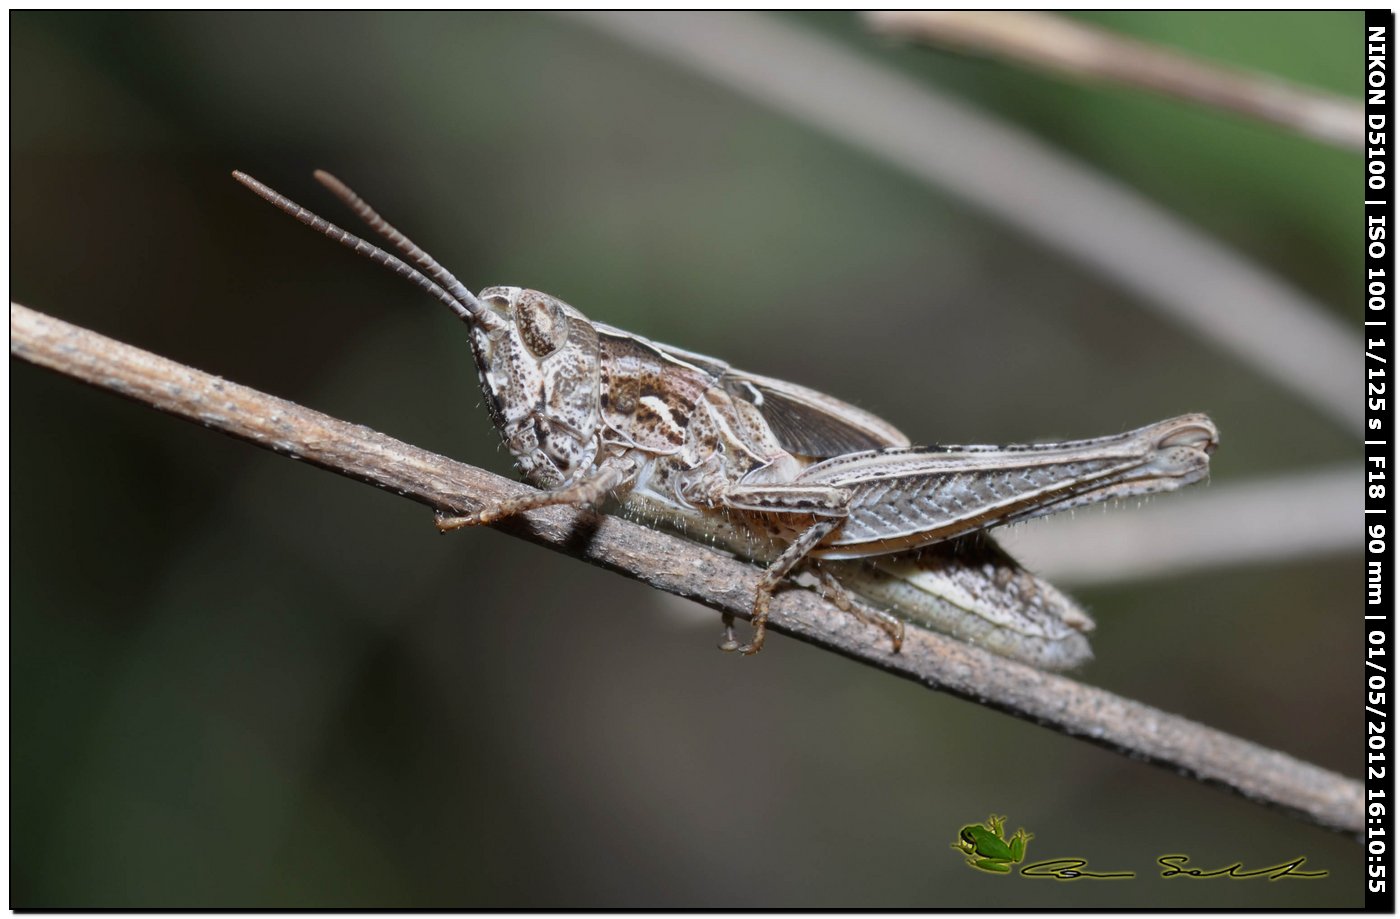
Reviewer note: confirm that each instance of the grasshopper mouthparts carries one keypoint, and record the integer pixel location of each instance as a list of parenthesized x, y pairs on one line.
[(774, 471)]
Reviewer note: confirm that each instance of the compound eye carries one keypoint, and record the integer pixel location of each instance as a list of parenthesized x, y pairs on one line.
[(543, 326)]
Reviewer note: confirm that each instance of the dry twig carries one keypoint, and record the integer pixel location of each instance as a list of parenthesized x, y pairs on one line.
[(1061, 45), (690, 570)]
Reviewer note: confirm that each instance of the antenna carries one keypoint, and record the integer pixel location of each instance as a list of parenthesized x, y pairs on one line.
[(425, 262), (469, 309)]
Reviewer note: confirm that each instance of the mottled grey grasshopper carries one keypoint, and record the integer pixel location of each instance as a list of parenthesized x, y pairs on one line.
[(777, 472)]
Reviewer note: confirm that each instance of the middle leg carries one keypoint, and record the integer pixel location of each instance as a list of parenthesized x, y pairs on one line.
[(828, 504), (773, 575)]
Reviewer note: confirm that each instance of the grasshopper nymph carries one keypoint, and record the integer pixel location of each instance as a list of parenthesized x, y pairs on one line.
[(774, 471)]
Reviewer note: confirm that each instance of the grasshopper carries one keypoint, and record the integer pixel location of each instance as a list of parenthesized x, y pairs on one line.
[(774, 471)]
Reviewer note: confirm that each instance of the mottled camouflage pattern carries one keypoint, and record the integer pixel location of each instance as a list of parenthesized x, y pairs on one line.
[(776, 472)]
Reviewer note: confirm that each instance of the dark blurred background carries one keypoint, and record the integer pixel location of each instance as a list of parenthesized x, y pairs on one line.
[(239, 681)]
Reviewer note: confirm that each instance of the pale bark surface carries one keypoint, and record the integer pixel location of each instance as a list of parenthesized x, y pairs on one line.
[(691, 570)]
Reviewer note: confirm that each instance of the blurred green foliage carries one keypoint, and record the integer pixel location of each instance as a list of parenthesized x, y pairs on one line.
[(236, 681)]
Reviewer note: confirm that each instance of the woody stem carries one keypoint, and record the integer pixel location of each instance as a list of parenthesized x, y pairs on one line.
[(691, 570)]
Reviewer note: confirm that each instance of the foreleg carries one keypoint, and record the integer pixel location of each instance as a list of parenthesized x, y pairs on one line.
[(587, 492)]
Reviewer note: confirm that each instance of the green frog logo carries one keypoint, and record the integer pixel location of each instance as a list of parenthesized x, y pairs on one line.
[(988, 849)]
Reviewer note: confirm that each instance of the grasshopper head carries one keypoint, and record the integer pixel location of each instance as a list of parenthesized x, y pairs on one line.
[(539, 371), (536, 355)]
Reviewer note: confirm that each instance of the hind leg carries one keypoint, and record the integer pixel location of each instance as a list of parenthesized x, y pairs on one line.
[(835, 592)]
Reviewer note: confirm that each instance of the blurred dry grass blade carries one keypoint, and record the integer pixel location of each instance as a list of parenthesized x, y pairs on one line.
[(1273, 520), (1057, 44), (691, 570), (1191, 279)]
